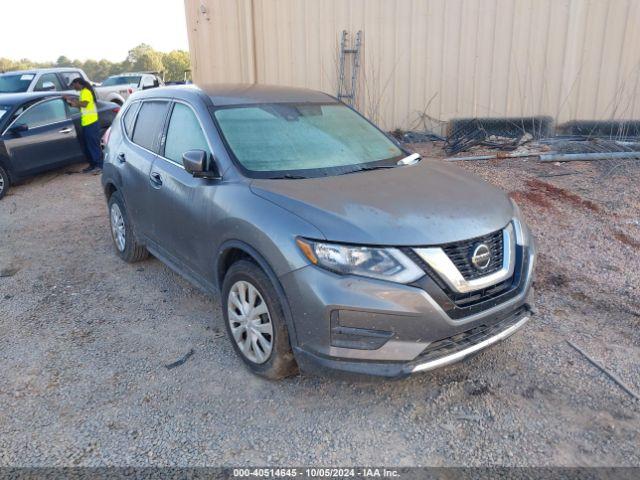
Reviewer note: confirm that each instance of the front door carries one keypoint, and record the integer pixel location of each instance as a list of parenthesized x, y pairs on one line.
[(49, 139), (183, 205)]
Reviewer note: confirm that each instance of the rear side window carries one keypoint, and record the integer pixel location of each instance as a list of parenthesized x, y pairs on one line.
[(129, 119), (148, 82), (184, 133), (69, 77), (149, 124)]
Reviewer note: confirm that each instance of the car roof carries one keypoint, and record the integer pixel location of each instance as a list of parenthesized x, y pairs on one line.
[(45, 70), (130, 74), (240, 94), (18, 98)]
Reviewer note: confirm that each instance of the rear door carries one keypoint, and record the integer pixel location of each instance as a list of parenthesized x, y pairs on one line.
[(183, 205), (49, 141), (143, 125)]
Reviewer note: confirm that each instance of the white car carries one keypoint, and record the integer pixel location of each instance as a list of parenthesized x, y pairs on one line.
[(40, 80), (117, 88)]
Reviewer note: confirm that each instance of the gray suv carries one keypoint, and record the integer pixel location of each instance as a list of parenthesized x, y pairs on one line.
[(331, 246)]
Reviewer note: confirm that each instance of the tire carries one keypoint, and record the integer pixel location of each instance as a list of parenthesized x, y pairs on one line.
[(5, 181), (279, 362), (122, 232)]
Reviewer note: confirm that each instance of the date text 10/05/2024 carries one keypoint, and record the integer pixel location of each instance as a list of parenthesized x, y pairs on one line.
[(315, 473)]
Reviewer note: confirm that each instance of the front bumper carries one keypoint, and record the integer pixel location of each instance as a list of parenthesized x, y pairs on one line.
[(365, 326)]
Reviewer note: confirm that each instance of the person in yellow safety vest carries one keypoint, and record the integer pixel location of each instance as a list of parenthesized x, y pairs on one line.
[(90, 136)]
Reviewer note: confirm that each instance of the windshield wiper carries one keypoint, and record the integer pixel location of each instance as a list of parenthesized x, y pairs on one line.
[(288, 176), (408, 160)]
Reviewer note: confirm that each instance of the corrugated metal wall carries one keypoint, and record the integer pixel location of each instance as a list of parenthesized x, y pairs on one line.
[(427, 61)]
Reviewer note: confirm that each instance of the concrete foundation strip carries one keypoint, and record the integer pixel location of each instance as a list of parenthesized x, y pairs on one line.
[(612, 376)]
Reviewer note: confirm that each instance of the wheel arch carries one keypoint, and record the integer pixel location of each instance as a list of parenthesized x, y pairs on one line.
[(109, 189), (234, 250), (6, 165), (115, 98)]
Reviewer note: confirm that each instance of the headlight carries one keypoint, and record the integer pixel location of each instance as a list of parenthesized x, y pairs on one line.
[(381, 263), (521, 229)]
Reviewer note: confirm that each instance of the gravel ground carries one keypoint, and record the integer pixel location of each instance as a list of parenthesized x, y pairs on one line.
[(84, 340)]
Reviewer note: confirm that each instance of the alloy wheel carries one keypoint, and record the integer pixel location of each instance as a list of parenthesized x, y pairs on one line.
[(117, 227), (250, 322)]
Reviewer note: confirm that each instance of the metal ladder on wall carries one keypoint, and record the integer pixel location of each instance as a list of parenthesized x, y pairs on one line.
[(347, 90)]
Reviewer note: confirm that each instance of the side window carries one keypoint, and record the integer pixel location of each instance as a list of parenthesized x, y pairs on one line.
[(149, 124), (68, 78), (184, 133), (129, 119), (52, 111), (48, 82), (147, 82)]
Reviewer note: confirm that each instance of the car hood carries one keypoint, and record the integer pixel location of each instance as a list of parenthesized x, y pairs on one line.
[(428, 203)]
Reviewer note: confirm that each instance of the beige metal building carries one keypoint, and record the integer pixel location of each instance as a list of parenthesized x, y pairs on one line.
[(424, 62)]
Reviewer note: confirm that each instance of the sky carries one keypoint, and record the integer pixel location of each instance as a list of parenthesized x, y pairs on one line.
[(42, 30)]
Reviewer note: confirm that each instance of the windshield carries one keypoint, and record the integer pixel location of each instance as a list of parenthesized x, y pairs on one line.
[(15, 82), (309, 139), (126, 80)]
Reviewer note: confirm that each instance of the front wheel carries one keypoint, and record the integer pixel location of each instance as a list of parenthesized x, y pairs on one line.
[(255, 321), (5, 183)]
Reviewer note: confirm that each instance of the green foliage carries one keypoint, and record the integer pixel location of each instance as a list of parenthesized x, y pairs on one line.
[(175, 64), (141, 58)]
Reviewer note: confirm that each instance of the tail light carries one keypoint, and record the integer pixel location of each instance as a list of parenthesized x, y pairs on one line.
[(115, 109), (105, 137), (130, 91)]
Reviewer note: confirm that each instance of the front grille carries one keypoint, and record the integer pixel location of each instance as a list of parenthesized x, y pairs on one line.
[(460, 254), (468, 338), (477, 296)]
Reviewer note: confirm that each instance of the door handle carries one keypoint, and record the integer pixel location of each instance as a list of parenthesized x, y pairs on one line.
[(122, 158), (156, 179), (65, 130)]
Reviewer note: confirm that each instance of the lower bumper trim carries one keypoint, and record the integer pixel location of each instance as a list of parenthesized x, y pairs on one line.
[(457, 356)]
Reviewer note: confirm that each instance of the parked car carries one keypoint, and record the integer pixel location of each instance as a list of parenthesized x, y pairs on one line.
[(331, 246), (39, 132), (40, 80), (117, 88)]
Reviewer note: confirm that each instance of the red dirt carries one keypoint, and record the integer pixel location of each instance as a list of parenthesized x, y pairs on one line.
[(536, 199), (550, 191), (627, 240), (542, 194)]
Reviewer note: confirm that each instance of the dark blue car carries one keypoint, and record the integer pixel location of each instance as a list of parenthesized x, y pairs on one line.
[(39, 132)]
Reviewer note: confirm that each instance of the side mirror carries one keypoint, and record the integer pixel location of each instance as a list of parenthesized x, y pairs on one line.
[(19, 128), (196, 163), (48, 87)]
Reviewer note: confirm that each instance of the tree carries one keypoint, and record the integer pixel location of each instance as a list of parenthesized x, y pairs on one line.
[(64, 61), (90, 67), (136, 52), (140, 58), (6, 64), (175, 63), (149, 62)]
